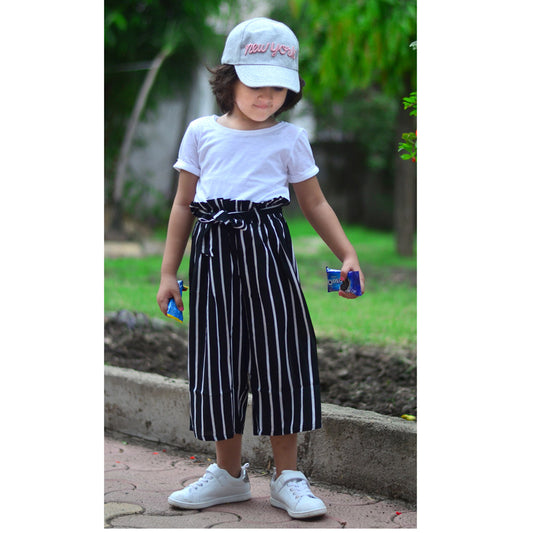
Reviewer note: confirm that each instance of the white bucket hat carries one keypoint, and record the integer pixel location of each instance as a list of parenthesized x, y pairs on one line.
[(264, 53)]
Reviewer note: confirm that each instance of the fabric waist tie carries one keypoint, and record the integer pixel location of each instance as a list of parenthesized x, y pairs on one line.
[(234, 214)]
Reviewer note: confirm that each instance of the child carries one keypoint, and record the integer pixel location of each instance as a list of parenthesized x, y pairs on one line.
[(249, 322)]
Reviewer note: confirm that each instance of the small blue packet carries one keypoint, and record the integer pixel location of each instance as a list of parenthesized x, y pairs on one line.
[(351, 284), (172, 309)]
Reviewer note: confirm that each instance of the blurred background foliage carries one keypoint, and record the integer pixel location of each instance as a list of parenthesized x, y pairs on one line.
[(136, 32), (357, 64), (349, 45)]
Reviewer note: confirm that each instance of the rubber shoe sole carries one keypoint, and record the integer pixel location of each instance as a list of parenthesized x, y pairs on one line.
[(295, 514), (209, 503)]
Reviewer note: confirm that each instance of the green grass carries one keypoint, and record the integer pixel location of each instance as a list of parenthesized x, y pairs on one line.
[(384, 316)]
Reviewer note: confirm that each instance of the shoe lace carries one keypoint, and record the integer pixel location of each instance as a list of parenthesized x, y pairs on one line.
[(299, 488), (204, 480), (208, 476)]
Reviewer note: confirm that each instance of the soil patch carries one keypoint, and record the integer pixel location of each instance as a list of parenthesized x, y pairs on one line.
[(374, 379)]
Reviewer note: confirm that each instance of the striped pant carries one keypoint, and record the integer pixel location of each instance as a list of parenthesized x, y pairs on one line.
[(249, 328)]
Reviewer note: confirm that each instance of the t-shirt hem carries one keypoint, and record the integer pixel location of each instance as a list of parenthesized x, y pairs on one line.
[(183, 165), (310, 173)]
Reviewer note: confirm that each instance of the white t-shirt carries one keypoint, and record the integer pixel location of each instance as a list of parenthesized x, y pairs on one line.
[(255, 165)]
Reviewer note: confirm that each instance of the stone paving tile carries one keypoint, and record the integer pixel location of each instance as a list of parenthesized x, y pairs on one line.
[(367, 516), (140, 476), (257, 513), (113, 486), (115, 509), (163, 481), (323, 523), (121, 455), (205, 519), (152, 501), (407, 519), (361, 511)]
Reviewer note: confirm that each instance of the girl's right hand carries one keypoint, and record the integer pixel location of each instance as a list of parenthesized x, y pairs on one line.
[(168, 289)]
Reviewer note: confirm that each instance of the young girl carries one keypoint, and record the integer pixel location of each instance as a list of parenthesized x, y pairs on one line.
[(249, 324)]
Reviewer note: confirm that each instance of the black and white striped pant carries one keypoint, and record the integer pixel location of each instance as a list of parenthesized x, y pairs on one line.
[(249, 324)]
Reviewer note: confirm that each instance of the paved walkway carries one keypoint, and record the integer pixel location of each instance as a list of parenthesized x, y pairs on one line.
[(140, 475)]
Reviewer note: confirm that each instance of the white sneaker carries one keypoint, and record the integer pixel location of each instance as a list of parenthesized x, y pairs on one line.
[(291, 491), (214, 487)]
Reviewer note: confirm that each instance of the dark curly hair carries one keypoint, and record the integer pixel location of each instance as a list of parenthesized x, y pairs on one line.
[(223, 80)]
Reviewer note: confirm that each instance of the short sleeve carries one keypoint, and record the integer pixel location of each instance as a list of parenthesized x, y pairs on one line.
[(302, 164), (188, 153)]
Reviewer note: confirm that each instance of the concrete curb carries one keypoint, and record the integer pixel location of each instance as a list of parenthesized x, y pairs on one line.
[(360, 450)]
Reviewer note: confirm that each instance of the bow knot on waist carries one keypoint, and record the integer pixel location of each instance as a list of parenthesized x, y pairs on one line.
[(235, 213), (235, 219)]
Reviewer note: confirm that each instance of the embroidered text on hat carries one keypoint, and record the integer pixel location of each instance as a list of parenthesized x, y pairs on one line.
[(264, 53)]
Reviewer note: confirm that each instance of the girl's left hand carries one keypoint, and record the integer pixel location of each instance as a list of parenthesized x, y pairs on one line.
[(346, 267)]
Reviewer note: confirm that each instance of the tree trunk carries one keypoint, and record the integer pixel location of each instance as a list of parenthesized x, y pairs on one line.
[(142, 97), (187, 96), (404, 193)]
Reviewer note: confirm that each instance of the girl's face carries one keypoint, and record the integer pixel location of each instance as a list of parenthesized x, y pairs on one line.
[(257, 105)]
